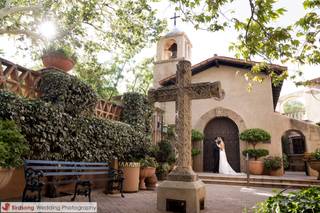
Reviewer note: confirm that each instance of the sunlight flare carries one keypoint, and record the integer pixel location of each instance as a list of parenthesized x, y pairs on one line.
[(47, 29)]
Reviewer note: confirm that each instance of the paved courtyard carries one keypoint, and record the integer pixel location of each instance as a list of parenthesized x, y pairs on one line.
[(220, 198)]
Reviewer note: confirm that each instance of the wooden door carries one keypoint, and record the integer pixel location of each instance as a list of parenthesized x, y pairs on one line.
[(227, 129)]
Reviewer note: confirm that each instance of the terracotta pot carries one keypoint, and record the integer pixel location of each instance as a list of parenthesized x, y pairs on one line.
[(131, 172), (315, 164), (145, 173), (58, 61), (151, 182), (277, 172), (5, 176), (256, 167)]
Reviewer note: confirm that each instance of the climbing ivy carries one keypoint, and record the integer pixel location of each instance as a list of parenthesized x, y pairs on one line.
[(67, 91)]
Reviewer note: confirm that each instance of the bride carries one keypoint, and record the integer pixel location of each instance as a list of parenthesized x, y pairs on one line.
[(224, 167)]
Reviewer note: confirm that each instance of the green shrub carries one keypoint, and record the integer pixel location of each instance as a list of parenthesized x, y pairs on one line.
[(272, 163), (196, 135), (255, 136), (12, 145), (305, 200), (148, 162), (166, 152), (162, 170), (285, 161), (67, 92), (53, 134), (316, 154), (195, 152), (60, 49), (137, 111), (171, 131), (255, 153)]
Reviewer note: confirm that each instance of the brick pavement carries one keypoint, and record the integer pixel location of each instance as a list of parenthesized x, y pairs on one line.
[(220, 198)]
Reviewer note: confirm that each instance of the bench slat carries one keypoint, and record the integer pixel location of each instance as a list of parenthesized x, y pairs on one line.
[(62, 162), (74, 181), (73, 173), (68, 168)]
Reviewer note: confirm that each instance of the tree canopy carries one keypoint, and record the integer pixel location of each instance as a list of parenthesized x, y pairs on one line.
[(122, 28), (119, 28), (260, 34), (293, 106)]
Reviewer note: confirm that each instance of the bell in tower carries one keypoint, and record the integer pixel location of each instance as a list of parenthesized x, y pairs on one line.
[(173, 50)]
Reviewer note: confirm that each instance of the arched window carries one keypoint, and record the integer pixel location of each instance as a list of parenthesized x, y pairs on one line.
[(293, 146)]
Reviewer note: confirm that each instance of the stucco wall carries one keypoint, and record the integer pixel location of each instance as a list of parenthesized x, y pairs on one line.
[(312, 107), (251, 106)]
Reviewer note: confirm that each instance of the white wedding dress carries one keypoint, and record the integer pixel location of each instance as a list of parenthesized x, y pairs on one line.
[(224, 167)]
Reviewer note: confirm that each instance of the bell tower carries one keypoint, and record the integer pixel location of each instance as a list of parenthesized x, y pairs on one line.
[(171, 48)]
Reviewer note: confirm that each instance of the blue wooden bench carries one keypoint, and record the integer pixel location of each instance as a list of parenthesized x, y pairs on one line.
[(41, 172)]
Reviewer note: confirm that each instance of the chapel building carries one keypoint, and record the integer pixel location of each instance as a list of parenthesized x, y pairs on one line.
[(236, 111)]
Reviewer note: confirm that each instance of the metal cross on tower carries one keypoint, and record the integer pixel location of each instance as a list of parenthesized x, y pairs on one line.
[(175, 19)]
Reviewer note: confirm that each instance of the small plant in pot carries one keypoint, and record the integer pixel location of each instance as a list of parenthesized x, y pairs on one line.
[(285, 161), (131, 171), (148, 167), (166, 158), (253, 137), (314, 161), (163, 170), (273, 164), (196, 135), (12, 147), (59, 56), (197, 145)]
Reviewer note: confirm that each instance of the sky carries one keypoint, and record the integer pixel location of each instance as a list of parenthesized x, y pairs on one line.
[(205, 44)]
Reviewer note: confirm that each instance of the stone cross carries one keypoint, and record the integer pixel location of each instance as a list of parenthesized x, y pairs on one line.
[(183, 92)]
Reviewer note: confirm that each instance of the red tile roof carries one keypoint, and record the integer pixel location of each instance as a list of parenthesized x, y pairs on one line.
[(223, 60)]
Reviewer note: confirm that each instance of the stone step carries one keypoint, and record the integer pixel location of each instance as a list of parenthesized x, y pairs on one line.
[(280, 180), (256, 183)]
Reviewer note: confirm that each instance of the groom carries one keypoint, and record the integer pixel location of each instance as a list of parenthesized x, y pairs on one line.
[(216, 156)]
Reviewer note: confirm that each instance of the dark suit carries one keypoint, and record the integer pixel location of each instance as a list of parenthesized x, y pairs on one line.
[(216, 157)]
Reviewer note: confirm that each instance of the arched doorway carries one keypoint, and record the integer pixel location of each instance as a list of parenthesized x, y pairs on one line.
[(226, 128), (293, 145)]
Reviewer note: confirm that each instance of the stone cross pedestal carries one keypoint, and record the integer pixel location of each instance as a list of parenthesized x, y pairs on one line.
[(183, 189)]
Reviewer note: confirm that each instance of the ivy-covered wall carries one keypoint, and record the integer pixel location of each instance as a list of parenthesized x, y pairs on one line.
[(57, 129), (137, 111), (67, 91)]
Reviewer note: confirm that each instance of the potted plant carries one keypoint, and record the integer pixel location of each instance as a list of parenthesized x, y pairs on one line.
[(197, 146), (255, 136), (162, 171), (131, 172), (196, 136), (273, 164), (12, 147), (285, 161), (255, 165), (148, 167), (314, 161), (59, 56), (166, 158)]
